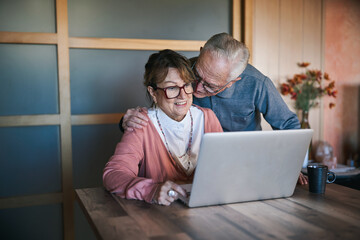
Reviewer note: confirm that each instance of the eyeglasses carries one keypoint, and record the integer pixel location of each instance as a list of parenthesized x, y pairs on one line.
[(174, 91), (213, 90)]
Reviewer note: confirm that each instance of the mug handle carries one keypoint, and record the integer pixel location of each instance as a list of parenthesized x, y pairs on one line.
[(333, 177)]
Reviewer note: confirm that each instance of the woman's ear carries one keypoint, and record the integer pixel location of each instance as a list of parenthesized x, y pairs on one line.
[(152, 93)]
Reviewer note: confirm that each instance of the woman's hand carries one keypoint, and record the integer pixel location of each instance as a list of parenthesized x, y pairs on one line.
[(162, 195), (133, 118), (302, 179)]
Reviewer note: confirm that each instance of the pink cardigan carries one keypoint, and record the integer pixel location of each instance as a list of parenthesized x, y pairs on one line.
[(141, 162)]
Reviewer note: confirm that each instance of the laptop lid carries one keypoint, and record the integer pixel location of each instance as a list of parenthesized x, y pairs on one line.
[(248, 166)]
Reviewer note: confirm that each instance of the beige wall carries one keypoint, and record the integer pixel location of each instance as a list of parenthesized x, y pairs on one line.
[(285, 33), (342, 62), (325, 33)]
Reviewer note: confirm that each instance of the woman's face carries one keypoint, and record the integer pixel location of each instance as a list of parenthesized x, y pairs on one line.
[(175, 108)]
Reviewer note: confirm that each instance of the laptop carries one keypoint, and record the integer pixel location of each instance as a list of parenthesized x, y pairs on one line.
[(247, 166)]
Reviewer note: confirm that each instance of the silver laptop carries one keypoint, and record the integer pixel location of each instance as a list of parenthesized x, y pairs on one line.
[(247, 166)]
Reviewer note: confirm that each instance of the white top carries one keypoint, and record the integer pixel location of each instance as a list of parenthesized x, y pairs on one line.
[(178, 134)]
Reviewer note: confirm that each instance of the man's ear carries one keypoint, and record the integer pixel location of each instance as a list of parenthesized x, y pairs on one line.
[(201, 48), (152, 93)]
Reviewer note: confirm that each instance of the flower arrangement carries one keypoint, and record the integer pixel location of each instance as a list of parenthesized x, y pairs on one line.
[(306, 88)]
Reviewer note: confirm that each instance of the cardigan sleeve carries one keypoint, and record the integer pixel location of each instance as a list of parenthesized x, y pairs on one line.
[(120, 174)]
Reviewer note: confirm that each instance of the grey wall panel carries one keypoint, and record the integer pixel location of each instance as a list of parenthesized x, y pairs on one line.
[(108, 81), (27, 16), (92, 147), (28, 79), (37, 222), (155, 19), (29, 160)]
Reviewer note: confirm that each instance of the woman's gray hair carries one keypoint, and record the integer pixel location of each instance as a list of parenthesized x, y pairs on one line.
[(224, 45)]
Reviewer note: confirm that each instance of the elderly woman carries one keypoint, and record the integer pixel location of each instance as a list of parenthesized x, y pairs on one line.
[(148, 162)]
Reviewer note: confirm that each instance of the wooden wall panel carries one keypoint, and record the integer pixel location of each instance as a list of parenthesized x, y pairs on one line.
[(291, 37), (266, 38), (248, 25), (36, 38), (135, 44), (236, 20), (285, 33), (90, 119), (33, 200), (30, 120), (312, 32), (266, 29), (65, 117), (312, 53)]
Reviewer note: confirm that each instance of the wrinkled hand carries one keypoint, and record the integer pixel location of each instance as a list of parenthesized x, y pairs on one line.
[(134, 118), (302, 179), (161, 195)]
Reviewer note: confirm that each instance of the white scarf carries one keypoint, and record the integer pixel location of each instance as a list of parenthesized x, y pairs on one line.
[(178, 133)]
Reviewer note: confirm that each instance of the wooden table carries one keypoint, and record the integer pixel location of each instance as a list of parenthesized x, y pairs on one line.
[(335, 215)]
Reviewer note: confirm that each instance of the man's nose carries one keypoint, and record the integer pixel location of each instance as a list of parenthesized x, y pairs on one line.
[(199, 87)]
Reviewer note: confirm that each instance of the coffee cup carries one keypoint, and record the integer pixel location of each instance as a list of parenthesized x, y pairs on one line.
[(319, 175)]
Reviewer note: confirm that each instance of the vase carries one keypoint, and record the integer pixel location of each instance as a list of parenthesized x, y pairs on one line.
[(305, 120), (306, 125)]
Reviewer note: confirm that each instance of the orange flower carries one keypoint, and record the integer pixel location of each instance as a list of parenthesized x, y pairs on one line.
[(318, 76), (297, 79), (326, 76), (312, 73), (303, 64), (285, 89), (328, 91), (334, 93), (291, 82), (303, 76), (331, 105), (306, 88), (331, 85)]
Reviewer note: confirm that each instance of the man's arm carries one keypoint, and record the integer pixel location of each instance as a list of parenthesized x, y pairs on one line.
[(277, 113), (274, 109), (132, 119)]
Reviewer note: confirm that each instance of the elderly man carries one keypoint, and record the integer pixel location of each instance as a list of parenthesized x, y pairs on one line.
[(236, 91)]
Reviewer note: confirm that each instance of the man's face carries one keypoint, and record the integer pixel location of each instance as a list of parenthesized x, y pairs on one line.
[(212, 72)]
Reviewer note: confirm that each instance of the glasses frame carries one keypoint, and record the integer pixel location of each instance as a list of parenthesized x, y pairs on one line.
[(206, 86), (183, 88)]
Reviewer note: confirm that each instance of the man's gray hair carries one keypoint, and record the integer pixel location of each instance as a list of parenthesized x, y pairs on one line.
[(224, 45)]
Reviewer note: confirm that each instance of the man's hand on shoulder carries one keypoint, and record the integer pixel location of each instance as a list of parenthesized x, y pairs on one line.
[(134, 118)]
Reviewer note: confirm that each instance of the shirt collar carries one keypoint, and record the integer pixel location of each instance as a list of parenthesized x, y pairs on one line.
[(169, 122)]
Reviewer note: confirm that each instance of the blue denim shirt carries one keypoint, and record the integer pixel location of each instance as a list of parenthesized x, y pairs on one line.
[(238, 108)]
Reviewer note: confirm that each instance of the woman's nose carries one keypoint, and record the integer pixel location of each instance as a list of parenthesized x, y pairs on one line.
[(182, 94)]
